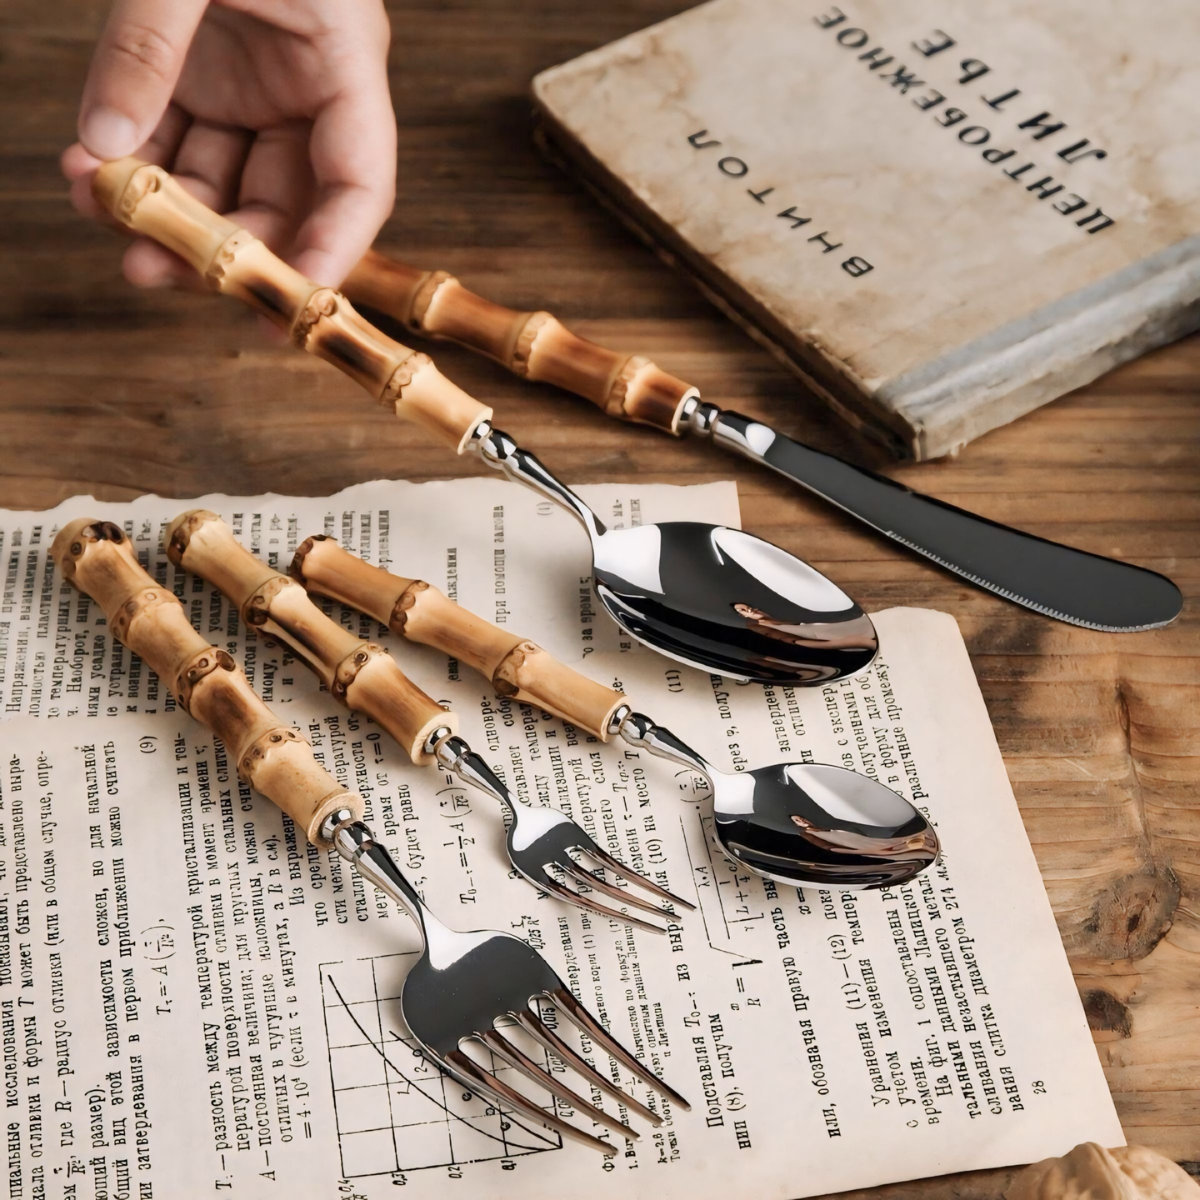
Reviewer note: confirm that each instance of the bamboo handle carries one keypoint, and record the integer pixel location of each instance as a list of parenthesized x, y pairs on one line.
[(271, 757), (318, 319), (413, 609), (361, 675), (534, 346)]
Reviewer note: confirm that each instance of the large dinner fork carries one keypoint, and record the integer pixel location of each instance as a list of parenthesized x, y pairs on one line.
[(464, 983)]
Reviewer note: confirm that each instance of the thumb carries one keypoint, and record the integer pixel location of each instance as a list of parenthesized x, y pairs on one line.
[(134, 71)]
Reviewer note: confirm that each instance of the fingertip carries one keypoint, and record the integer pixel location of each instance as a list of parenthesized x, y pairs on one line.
[(82, 200), (149, 265), (323, 267), (76, 160)]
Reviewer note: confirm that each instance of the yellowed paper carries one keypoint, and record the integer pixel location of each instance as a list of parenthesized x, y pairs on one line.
[(193, 1000)]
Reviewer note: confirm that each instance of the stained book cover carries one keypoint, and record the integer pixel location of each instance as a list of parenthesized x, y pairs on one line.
[(942, 215)]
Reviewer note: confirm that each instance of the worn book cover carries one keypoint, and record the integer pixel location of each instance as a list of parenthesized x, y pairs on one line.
[(942, 215)]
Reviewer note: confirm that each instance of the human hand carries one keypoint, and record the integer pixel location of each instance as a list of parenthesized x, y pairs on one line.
[(274, 112)]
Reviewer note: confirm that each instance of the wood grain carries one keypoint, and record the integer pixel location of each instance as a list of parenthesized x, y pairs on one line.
[(1101, 734)]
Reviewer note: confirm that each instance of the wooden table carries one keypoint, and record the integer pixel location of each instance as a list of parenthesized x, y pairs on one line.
[(106, 390)]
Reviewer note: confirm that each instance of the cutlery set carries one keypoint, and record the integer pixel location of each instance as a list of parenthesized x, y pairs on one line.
[(714, 598)]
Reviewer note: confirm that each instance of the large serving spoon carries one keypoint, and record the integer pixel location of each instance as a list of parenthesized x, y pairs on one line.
[(709, 596), (796, 823)]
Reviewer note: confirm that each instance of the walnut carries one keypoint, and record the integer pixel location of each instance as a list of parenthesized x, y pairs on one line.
[(1089, 1172)]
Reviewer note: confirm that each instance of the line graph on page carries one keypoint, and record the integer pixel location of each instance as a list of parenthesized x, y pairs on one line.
[(395, 1112)]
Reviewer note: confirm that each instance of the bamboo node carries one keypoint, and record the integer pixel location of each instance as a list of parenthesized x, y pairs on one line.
[(505, 679), (523, 346), (257, 610), (423, 298), (348, 669), (404, 602), (614, 404), (185, 527), (226, 254), (142, 183), (322, 303), (402, 376), (135, 605), (207, 661), (296, 570), (261, 748)]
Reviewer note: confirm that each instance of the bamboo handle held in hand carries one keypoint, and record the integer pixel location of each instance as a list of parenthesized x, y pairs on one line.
[(361, 675), (318, 319), (533, 345), (271, 757), (413, 609)]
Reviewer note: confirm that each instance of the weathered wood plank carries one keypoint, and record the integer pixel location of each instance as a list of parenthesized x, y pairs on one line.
[(116, 393)]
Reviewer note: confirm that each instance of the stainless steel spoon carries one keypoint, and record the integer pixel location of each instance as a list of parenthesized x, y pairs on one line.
[(706, 595), (803, 824)]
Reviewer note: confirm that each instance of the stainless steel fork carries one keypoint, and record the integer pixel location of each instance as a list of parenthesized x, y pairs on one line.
[(542, 840), (464, 983)]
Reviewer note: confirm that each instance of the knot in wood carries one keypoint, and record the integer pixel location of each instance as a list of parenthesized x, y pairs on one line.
[(614, 403), (348, 669), (183, 533), (141, 184), (137, 605), (506, 679)]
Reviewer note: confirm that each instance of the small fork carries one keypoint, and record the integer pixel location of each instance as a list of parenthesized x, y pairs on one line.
[(463, 983), (540, 839)]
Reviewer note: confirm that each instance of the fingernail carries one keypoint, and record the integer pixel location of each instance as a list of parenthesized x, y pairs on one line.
[(108, 133)]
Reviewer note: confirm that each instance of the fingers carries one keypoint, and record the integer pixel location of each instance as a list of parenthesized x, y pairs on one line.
[(353, 150), (133, 73), (79, 164), (208, 163)]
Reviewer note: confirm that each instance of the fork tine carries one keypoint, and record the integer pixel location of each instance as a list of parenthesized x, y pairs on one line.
[(516, 1058), (570, 1007), (537, 1028), (590, 879), (565, 893), (613, 864), (477, 1078)]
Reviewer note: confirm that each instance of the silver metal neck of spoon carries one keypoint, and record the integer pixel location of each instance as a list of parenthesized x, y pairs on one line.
[(501, 453), (638, 730)]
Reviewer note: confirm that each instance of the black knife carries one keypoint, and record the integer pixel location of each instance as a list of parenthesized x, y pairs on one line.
[(1072, 585)]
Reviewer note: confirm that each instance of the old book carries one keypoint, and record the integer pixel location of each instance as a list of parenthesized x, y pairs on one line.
[(941, 215)]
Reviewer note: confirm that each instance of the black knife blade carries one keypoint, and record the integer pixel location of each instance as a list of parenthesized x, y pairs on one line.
[(1059, 581)]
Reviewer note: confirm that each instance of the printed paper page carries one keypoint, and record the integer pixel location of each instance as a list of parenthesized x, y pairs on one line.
[(216, 1003)]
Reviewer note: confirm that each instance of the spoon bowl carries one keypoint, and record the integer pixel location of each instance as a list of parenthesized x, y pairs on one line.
[(727, 602), (810, 824), (803, 824), (712, 597)]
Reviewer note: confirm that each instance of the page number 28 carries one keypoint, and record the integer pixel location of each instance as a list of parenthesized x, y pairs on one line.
[(1039, 1087)]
